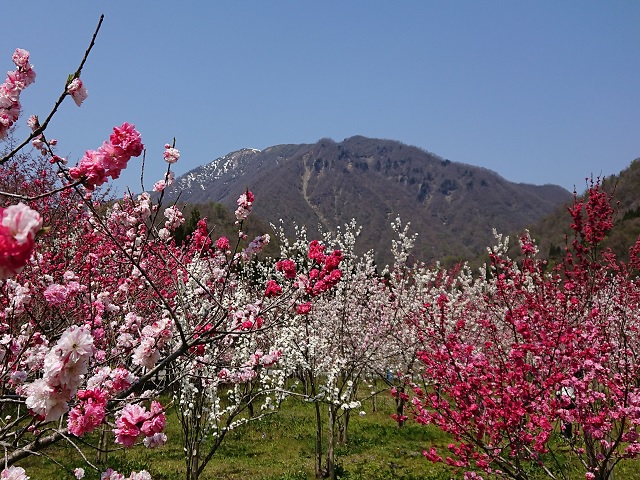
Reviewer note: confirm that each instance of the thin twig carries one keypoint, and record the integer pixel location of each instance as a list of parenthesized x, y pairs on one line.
[(43, 126)]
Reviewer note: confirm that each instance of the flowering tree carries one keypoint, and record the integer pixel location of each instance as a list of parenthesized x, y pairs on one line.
[(520, 363), (97, 315), (337, 340)]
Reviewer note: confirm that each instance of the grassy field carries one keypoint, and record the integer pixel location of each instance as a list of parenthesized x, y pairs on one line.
[(281, 447), (278, 447)]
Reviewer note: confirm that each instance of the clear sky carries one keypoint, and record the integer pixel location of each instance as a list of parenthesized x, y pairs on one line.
[(540, 92)]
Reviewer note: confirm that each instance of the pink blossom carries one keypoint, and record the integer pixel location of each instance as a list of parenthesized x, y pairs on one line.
[(174, 217), (156, 422), (111, 474), (288, 267), (20, 58), (33, 123), (14, 473), (18, 227), (56, 294), (171, 155), (128, 424), (135, 420), (89, 413), (159, 186), (245, 202), (128, 138), (76, 344), (303, 308), (78, 473), (78, 91), (141, 475), (273, 289), (255, 246), (155, 440), (96, 166), (222, 244)]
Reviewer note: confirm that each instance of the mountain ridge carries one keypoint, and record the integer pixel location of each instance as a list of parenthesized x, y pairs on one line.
[(452, 206)]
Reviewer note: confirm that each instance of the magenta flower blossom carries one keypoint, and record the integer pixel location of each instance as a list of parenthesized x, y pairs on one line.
[(110, 159), (18, 227), (273, 289), (288, 267)]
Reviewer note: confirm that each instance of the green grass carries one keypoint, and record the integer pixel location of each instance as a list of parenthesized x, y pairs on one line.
[(281, 447), (277, 447)]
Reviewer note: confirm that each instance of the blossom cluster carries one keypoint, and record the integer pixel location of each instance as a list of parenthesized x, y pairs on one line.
[(111, 474), (14, 473), (322, 279), (64, 367), (245, 203), (18, 227), (255, 246), (170, 154), (135, 420), (10, 90), (249, 370), (96, 166), (89, 413)]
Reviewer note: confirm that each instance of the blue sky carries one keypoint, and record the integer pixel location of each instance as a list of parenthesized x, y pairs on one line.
[(540, 92)]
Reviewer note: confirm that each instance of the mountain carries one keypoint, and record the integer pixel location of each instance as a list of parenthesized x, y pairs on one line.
[(452, 206)]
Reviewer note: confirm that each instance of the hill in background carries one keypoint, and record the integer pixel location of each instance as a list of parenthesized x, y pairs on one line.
[(452, 206), (553, 232)]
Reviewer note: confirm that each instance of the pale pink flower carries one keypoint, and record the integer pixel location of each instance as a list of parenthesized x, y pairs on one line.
[(159, 186), (56, 294), (76, 344), (78, 91), (174, 217), (22, 221), (33, 123), (171, 155), (38, 143), (245, 202), (141, 475), (21, 58), (111, 474), (46, 401), (79, 473), (155, 440), (14, 473), (128, 424)]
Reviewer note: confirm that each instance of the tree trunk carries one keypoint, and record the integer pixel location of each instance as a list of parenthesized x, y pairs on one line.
[(343, 428), (193, 460), (318, 442), (400, 407), (331, 435)]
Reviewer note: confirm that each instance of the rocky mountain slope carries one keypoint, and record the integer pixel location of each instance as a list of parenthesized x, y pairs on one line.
[(452, 206)]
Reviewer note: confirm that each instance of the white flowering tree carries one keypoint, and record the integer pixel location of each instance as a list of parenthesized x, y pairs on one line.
[(341, 339)]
